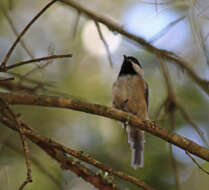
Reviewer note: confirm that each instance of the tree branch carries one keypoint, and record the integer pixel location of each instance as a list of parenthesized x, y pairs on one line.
[(173, 102), (3, 64), (35, 161), (104, 42), (6, 112), (198, 165), (22, 43), (69, 103), (58, 152), (170, 56), (36, 60)]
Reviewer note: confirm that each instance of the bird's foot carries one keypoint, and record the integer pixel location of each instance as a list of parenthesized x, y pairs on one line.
[(126, 123)]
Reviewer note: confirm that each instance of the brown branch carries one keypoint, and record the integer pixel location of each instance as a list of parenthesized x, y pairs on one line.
[(4, 62), (35, 161), (36, 60), (104, 42), (70, 103), (57, 153), (81, 156), (31, 81), (170, 56), (198, 165), (166, 77), (34, 137), (87, 158), (192, 123), (7, 79), (7, 112), (16, 87), (172, 101), (171, 110), (39, 67)]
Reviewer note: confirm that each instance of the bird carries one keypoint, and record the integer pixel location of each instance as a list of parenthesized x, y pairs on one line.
[(130, 93)]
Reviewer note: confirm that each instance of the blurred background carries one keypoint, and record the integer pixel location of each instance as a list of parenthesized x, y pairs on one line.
[(181, 26)]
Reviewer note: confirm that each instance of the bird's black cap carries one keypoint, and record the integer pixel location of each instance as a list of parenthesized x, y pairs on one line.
[(127, 68)]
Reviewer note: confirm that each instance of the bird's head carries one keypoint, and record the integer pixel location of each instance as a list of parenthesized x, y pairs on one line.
[(130, 66)]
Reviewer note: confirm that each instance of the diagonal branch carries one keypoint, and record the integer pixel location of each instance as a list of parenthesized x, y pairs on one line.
[(70, 103), (165, 30), (170, 56), (22, 43), (104, 42), (7, 113), (43, 141), (171, 110), (37, 60), (58, 152), (4, 62), (172, 100), (35, 161), (7, 79), (198, 165)]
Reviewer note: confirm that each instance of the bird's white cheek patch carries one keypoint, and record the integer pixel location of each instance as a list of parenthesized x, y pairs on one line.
[(137, 68)]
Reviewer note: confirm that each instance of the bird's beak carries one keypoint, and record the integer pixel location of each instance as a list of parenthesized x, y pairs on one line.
[(125, 57)]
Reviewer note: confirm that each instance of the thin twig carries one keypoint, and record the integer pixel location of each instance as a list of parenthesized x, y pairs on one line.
[(204, 84), (174, 163), (22, 43), (38, 60), (10, 115), (104, 42), (105, 111), (75, 27), (40, 67), (171, 110), (175, 168), (65, 161), (192, 123), (7, 79), (166, 77), (4, 62), (198, 165), (156, 3), (87, 158), (35, 161), (206, 37), (156, 6), (32, 81), (172, 97), (159, 110), (165, 30), (15, 87), (46, 142)]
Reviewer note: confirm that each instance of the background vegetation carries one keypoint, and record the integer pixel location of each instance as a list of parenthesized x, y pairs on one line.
[(89, 76)]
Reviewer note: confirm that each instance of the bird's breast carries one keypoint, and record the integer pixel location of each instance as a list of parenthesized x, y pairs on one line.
[(129, 95)]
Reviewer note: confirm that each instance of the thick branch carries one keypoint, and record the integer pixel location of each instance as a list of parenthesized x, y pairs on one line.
[(204, 84), (148, 126), (43, 141), (65, 162)]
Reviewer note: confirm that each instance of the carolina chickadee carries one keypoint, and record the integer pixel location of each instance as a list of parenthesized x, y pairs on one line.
[(130, 94)]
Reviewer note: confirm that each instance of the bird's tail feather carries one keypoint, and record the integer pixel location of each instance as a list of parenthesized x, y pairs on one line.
[(136, 140)]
